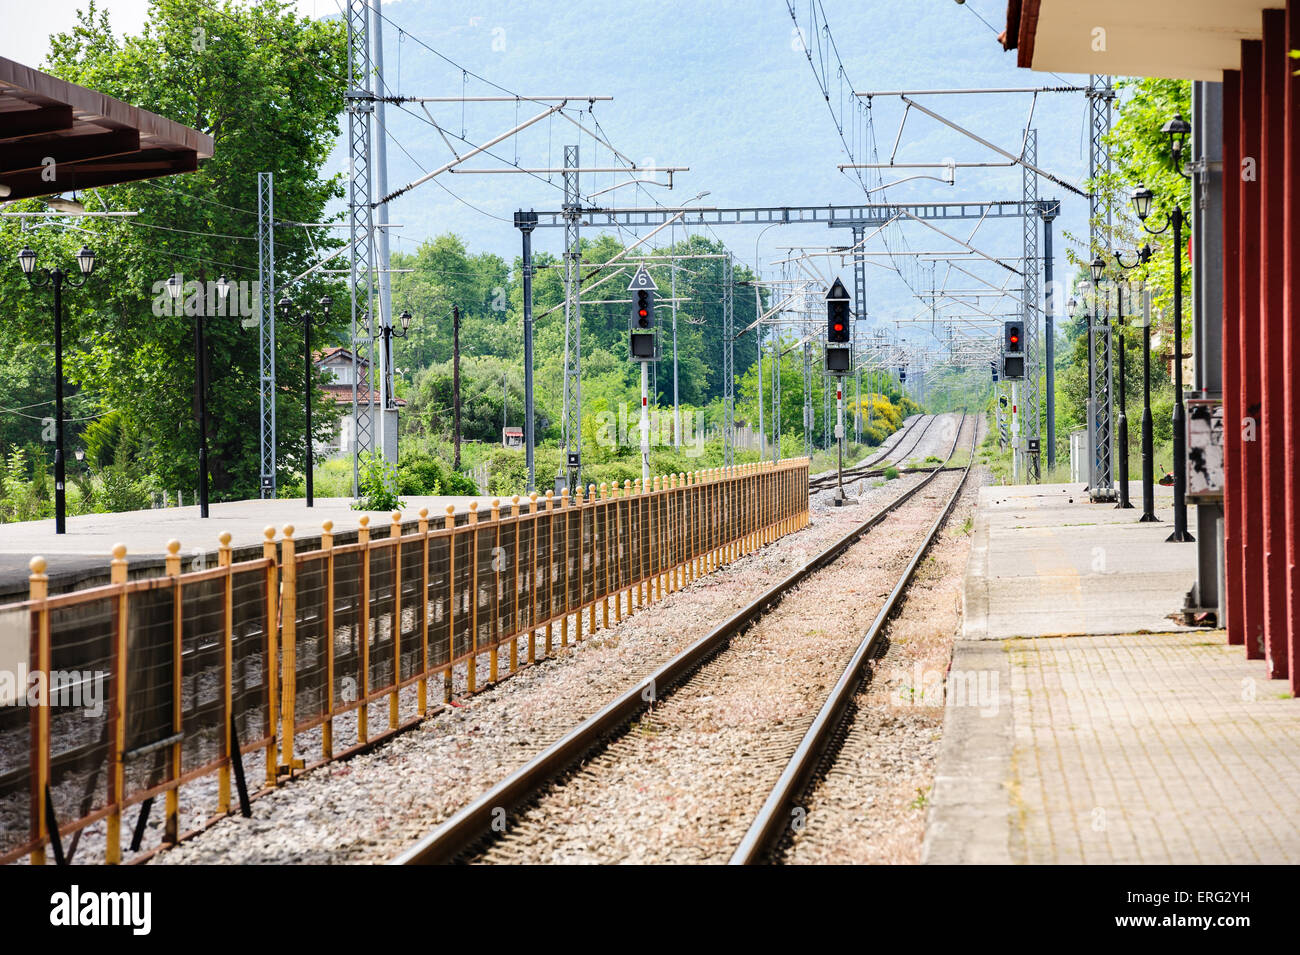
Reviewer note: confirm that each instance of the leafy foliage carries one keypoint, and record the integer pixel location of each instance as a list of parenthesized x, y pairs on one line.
[(379, 489), (260, 80)]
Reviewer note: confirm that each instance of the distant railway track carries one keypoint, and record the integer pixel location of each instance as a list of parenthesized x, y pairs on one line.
[(476, 827), (874, 466), (771, 829)]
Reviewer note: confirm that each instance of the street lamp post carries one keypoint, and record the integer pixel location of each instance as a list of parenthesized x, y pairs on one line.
[(56, 278), (1140, 257), (175, 288), (306, 319), (1177, 129), (389, 333)]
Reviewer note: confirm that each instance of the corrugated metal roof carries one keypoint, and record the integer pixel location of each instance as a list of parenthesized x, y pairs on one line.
[(94, 139)]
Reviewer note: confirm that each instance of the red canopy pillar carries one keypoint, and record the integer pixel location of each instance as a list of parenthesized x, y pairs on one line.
[(1233, 499), (1251, 485), (1272, 177), (1291, 348)]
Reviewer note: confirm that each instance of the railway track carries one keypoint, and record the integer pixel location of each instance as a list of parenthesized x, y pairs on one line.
[(874, 466), (478, 826), (774, 827)]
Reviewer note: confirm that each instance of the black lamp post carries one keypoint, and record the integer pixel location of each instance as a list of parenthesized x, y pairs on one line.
[(57, 278), (1097, 269), (1177, 129), (389, 333), (1140, 257), (305, 319), (176, 287)]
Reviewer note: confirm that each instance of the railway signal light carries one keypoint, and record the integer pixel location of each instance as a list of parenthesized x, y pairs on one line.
[(1013, 350), (1013, 338), (643, 310), (993, 367), (838, 317), (839, 361), (641, 338), (902, 375)]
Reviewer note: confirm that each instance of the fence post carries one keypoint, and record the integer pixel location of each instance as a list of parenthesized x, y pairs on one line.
[(289, 646), (327, 728), (532, 581), (621, 548), (577, 610), (116, 774), (270, 663), (38, 589), (514, 589), (394, 700), (683, 530), (171, 820), (564, 616), (603, 549), (363, 691), (639, 573), (595, 569), (471, 671), (496, 590), (550, 564), (227, 662), (449, 522), (422, 684)]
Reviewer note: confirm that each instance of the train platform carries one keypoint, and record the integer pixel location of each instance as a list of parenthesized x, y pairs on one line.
[(81, 556), (1084, 722)]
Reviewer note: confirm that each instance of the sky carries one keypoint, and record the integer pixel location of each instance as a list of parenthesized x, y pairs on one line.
[(721, 86)]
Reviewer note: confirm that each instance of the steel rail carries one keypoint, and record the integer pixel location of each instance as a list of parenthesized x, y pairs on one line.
[(481, 817), (863, 468), (771, 824), (826, 478)]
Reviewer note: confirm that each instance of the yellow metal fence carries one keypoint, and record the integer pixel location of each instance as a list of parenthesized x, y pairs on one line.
[(306, 656)]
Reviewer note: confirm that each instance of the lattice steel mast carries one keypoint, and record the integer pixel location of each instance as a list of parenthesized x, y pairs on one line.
[(572, 211), (361, 228), (266, 331), (1101, 484), (1030, 420)]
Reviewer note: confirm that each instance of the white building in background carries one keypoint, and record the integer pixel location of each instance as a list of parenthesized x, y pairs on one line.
[(335, 364)]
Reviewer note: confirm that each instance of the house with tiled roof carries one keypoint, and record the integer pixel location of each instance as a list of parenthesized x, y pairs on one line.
[(335, 365)]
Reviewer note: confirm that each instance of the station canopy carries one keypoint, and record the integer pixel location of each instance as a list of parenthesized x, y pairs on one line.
[(94, 139), (1174, 39)]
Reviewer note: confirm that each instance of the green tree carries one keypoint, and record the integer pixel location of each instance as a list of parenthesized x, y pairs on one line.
[(265, 84)]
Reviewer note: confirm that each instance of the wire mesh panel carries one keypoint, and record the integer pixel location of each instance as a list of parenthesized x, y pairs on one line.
[(546, 566), (439, 605), (203, 677), (249, 684), (150, 684), (411, 626), (537, 571), (506, 581), (17, 826), (311, 695), (588, 528), (484, 582), (463, 544), (573, 556), (347, 627), (79, 683), (381, 625)]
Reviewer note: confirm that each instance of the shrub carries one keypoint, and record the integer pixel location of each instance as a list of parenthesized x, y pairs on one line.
[(378, 485), (121, 490), (891, 473), (419, 473)]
